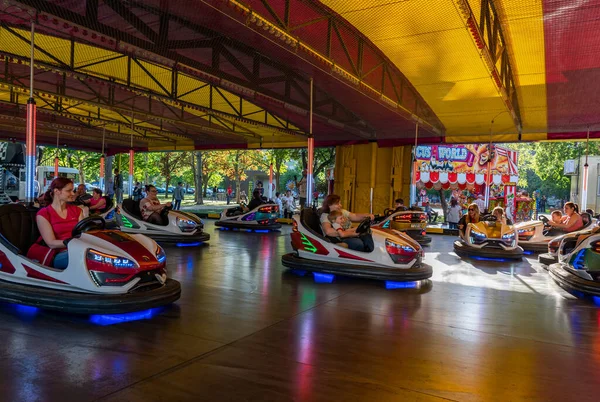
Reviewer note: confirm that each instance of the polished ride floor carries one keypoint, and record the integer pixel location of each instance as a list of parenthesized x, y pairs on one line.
[(245, 329)]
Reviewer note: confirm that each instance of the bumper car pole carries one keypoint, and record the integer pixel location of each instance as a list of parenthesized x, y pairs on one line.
[(584, 191), (130, 186), (102, 162), (373, 169), (311, 153), (413, 185), (31, 128), (56, 160)]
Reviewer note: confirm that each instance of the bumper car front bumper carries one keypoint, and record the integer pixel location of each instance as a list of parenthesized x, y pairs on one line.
[(243, 225), (90, 303), (464, 250), (293, 261), (572, 283), (535, 247), (166, 237), (547, 259)]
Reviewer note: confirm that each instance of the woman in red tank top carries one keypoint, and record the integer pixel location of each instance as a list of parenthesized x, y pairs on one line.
[(571, 221), (57, 220), (97, 203)]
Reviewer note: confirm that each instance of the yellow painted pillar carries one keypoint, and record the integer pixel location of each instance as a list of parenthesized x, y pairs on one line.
[(369, 178), (373, 174)]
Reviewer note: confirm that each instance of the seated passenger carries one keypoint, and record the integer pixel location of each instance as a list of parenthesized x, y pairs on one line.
[(556, 216), (97, 203), (399, 206), (56, 221), (256, 200), (81, 192), (151, 208), (472, 216), (571, 221), (354, 240), (498, 212)]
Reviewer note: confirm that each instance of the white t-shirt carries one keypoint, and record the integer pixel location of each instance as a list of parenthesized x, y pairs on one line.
[(481, 204), (325, 217), (287, 202), (453, 214)]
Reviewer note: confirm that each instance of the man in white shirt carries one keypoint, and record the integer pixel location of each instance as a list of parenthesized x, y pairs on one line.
[(480, 203), (287, 202)]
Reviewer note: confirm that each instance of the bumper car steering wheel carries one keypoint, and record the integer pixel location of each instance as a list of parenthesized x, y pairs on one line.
[(544, 219), (90, 223), (165, 211), (364, 226), (489, 218)]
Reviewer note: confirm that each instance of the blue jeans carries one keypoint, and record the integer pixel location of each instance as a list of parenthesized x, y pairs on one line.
[(362, 243), (119, 195), (176, 205), (61, 260)]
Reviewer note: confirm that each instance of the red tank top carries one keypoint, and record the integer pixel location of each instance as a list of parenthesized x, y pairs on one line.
[(62, 227), (94, 201)]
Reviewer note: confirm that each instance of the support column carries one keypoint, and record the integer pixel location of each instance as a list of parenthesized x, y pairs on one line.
[(199, 200), (271, 181), (146, 168), (311, 152), (30, 163), (56, 157), (413, 184), (131, 153), (373, 174), (102, 156), (108, 171), (584, 192)]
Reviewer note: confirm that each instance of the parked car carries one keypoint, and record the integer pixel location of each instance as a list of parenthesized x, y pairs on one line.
[(160, 190), (190, 190)]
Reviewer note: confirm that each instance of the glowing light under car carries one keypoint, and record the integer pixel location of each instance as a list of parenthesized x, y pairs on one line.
[(112, 319), (194, 244), (323, 278), (400, 285)]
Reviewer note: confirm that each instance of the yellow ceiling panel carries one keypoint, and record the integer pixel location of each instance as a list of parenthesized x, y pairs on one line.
[(429, 42), (523, 27)]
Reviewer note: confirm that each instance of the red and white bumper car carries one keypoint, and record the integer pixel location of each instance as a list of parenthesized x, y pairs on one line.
[(109, 271), (396, 257)]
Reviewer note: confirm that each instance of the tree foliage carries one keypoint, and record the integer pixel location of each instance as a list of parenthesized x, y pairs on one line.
[(541, 165)]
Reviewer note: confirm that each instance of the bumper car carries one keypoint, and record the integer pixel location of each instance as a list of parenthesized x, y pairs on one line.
[(179, 227), (489, 239), (262, 218), (557, 243), (396, 257), (535, 235), (413, 223), (578, 267), (109, 271)]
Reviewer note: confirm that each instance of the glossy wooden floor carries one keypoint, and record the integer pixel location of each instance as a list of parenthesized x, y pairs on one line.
[(246, 330)]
